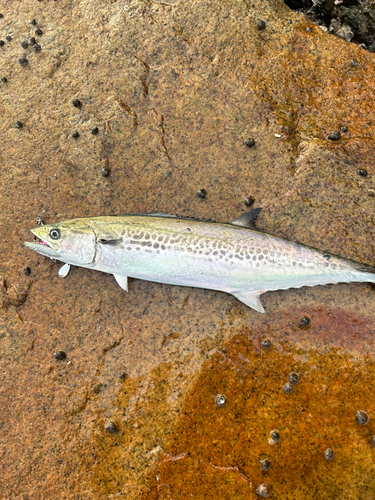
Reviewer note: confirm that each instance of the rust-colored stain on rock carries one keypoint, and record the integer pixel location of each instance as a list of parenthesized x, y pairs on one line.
[(217, 451)]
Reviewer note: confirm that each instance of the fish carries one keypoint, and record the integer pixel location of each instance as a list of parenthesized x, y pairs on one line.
[(235, 257)]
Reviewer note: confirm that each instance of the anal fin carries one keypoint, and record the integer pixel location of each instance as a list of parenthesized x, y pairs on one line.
[(251, 299), (122, 281)]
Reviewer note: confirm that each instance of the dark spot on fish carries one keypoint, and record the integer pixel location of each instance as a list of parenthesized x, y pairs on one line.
[(275, 436), (329, 454), (95, 131), (26, 271), (305, 322), (265, 343), (111, 427), (76, 103), (60, 355), (23, 61), (220, 400), (38, 32), (288, 388), (75, 135), (362, 172), (361, 417), (263, 490), (250, 143), (18, 124), (156, 245), (326, 256), (293, 378), (265, 465), (202, 193), (261, 25), (112, 242), (334, 136)]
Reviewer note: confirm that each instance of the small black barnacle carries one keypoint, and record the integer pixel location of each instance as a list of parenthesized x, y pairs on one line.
[(265, 464), (38, 32), (202, 193), (2, 43), (26, 271), (8, 38), (305, 321), (220, 400), (275, 436), (37, 47), (288, 388), (293, 378), (75, 135), (261, 25), (265, 343), (249, 201), (3, 79), (111, 427), (32, 40), (334, 136), (18, 124), (250, 143), (362, 172), (23, 61), (60, 355), (263, 490), (105, 172), (329, 454), (361, 417), (76, 103), (25, 44)]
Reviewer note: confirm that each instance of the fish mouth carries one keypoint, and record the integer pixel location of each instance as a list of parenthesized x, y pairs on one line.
[(41, 246)]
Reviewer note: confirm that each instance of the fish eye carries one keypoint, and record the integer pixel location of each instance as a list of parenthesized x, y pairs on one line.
[(55, 233)]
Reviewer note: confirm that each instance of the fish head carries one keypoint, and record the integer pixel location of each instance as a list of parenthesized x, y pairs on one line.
[(73, 242)]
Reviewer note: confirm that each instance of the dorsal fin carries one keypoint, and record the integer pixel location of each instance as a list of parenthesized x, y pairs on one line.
[(247, 219)]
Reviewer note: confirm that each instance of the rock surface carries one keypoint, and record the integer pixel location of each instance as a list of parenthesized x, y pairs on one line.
[(175, 89)]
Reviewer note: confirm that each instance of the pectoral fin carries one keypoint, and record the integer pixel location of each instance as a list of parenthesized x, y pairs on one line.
[(122, 281), (64, 270), (251, 299)]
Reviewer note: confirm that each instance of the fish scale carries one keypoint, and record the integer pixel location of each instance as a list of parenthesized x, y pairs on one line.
[(234, 258)]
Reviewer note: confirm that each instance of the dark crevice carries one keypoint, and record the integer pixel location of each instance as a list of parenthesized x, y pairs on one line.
[(351, 20)]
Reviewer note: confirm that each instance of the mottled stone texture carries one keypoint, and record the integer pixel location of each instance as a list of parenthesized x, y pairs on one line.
[(175, 90)]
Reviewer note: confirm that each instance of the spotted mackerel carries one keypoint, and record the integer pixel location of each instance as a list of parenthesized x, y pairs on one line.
[(235, 258)]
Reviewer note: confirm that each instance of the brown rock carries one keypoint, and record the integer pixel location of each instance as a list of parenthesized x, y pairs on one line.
[(175, 91)]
